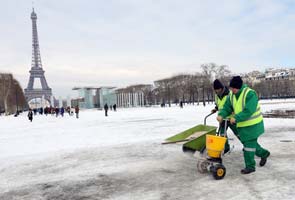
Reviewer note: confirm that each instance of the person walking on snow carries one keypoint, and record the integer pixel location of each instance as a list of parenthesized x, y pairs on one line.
[(77, 111), (56, 111), (221, 93), (243, 103), (30, 115), (106, 107), (62, 111), (181, 104)]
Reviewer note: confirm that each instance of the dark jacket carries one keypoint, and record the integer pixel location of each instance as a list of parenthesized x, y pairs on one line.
[(30, 115), (76, 109)]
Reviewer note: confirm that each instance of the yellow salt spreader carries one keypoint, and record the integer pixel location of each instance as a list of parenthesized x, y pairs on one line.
[(203, 140), (211, 157)]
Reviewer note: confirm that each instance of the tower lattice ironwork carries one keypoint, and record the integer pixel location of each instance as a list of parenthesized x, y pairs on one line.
[(37, 71)]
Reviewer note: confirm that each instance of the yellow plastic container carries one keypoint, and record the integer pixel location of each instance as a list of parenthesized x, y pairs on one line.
[(215, 145)]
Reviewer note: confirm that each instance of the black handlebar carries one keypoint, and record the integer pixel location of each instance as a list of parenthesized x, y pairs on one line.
[(207, 117)]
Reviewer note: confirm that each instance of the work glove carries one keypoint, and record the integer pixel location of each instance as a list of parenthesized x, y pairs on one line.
[(232, 120), (219, 118)]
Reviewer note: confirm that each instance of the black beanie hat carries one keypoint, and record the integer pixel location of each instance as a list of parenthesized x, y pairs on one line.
[(217, 84), (236, 82)]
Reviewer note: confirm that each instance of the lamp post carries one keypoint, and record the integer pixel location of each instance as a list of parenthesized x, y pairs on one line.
[(16, 102)]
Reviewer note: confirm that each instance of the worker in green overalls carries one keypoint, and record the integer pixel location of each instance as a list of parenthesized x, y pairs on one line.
[(243, 103), (221, 93)]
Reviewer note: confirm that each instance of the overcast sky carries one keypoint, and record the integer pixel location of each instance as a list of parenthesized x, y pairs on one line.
[(124, 42)]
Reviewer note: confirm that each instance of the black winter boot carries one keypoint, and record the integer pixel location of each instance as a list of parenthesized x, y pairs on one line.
[(247, 171), (263, 160)]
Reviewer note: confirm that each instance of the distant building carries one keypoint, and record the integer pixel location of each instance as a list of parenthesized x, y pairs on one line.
[(279, 74), (133, 96), (270, 74), (130, 99), (105, 95), (254, 77), (85, 97), (94, 97)]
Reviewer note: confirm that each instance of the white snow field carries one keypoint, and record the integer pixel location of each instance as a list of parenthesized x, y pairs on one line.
[(120, 157)]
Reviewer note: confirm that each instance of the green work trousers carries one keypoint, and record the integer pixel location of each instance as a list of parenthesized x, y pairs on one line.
[(252, 148)]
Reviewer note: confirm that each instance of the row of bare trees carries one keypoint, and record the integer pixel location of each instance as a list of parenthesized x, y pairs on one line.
[(190, 88), (269, 89), (197, 87)]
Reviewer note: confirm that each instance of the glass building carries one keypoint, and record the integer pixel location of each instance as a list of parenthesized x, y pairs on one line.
[(95, 97)]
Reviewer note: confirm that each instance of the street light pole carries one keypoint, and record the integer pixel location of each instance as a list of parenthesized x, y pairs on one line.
[(16, 114)]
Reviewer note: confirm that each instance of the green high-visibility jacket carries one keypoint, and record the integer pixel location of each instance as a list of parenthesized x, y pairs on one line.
[(238, 106), (220, 102), (221, 98), (249, 132)]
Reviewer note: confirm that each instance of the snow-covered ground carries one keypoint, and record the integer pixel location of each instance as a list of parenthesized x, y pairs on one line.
[(121, 157)]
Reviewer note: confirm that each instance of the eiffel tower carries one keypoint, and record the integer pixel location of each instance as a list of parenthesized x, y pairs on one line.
[(37, 71)]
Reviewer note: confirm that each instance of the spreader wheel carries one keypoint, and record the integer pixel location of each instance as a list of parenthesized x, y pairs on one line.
[(202, 166), (219, 171)]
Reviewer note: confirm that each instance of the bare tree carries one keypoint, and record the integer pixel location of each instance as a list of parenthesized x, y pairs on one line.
[(12, 99), (164, 88)]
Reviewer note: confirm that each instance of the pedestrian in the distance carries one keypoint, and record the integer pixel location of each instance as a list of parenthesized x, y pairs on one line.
[(56, 111), (106, 108), (30, 115), (77, 111), (68, 109), (62, 111)]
